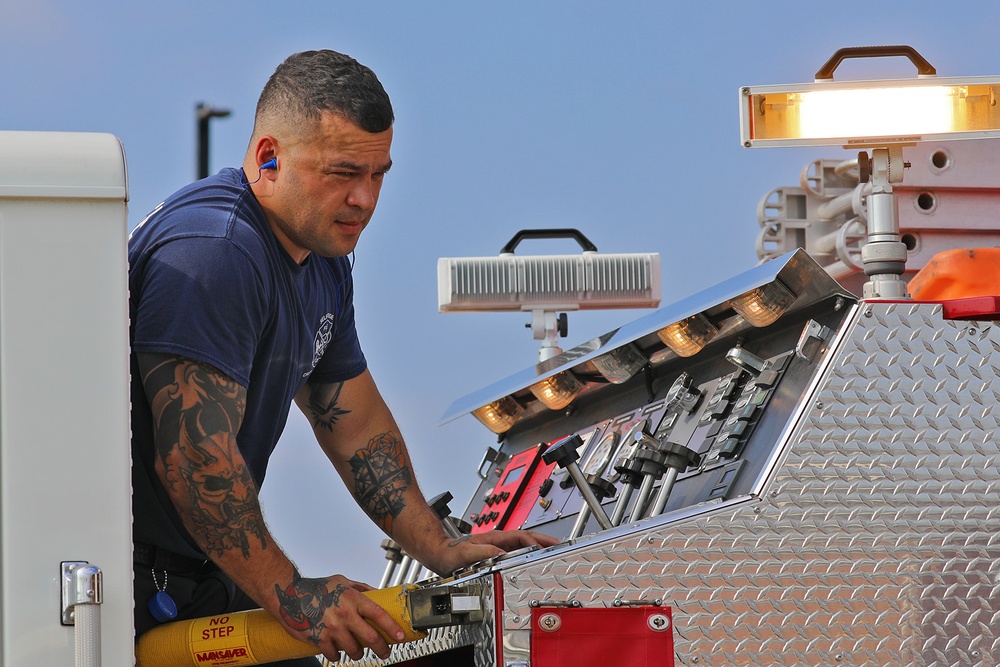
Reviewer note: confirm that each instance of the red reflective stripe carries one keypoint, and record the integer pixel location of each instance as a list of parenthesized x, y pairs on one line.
[(972, 308)]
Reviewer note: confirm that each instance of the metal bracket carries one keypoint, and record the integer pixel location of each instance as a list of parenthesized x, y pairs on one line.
[(812, 331), (489, 458), (82, 583)]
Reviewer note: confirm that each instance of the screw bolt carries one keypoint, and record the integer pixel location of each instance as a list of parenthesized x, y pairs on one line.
[(658, 622), (549, 622)]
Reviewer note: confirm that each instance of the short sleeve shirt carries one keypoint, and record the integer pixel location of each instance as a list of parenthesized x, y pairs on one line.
[(209, 281)]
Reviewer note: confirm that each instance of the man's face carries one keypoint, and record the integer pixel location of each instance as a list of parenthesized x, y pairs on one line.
[(326, 187)]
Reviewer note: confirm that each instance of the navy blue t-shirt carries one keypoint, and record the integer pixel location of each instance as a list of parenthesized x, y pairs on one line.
[(209, 281)]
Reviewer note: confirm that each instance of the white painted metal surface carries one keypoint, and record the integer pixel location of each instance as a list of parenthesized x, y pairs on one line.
[(64, 430)]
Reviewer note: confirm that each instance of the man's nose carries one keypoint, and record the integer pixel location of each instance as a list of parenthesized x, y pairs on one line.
[(364, 194)]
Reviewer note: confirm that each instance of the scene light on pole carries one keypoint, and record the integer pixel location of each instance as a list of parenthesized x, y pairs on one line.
[(870, 113), (547, 285), (882, 116)]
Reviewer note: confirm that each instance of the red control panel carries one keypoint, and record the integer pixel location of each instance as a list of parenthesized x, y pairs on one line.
[(501, 501), (532, 492)]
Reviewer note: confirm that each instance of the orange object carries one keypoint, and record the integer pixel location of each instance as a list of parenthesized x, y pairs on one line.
[(957, 274)]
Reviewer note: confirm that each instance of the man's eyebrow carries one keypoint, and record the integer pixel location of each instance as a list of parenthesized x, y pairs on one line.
[(352, 166)]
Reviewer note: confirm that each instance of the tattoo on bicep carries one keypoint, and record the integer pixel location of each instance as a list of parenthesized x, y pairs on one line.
[(381, 478), (196, 414), (323, 405), (303, 603)]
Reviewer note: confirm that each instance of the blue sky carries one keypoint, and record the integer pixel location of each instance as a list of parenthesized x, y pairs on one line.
[(619, 119)]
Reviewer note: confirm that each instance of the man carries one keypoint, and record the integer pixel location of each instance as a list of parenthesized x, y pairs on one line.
[(241, 300)]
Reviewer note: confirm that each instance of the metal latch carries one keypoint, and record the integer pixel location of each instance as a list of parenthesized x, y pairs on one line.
[(439, 606)]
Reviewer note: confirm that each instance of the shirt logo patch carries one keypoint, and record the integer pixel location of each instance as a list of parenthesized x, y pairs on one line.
[(323, 337)]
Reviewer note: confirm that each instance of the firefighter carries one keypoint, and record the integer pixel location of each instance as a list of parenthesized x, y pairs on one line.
[(241, 302)]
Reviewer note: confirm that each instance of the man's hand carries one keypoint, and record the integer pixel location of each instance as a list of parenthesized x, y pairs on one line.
[(332, 614), (455, 554)]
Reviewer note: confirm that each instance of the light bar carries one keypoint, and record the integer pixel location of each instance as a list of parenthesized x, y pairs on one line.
[(586, 281), (763, 305), (687, 337), (618, 366), (557, 391), (499, 415), (870, 113)]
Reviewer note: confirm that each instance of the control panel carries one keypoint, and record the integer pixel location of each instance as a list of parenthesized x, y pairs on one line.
[(701, 436)]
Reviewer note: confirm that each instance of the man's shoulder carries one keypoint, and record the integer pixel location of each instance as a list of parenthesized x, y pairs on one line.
[(219, 207)]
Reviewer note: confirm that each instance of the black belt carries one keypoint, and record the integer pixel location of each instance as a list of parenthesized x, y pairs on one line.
[(149, 555)]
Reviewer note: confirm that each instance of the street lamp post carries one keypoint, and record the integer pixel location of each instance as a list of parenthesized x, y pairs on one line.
[(204, 113)]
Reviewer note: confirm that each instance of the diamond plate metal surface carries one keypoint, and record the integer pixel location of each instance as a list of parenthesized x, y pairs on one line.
[(876, 542), (482, 636)]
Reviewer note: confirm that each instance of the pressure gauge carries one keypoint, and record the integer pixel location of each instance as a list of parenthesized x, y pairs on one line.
[(629, 442), (597, 461)]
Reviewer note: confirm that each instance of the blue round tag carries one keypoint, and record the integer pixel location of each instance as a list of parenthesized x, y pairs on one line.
[(162, 607)]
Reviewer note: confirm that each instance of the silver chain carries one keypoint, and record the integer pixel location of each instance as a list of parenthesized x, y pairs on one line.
[(165, 575)]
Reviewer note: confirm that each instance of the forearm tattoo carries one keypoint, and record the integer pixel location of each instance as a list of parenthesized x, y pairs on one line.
[(381, 478), (196, 413), (323, 405), (304, 602)]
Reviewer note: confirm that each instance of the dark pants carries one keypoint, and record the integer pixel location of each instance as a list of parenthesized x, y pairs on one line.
[(197, 589)]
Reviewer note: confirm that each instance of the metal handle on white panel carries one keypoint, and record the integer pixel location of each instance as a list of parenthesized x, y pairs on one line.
[(82, 595)]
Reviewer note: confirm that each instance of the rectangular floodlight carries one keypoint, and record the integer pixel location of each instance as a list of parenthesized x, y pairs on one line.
[(870, 113), (588, 281)]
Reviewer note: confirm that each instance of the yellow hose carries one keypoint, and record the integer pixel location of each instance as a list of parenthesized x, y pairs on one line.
[(247, 637)]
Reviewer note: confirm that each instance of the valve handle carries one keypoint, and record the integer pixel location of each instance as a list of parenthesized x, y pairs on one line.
[(924, 68)]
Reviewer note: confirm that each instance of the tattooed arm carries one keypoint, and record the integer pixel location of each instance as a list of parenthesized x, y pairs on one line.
[(359, 435), (197, 412)]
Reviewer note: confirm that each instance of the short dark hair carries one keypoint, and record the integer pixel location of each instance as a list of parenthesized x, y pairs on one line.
[(309, 83)]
